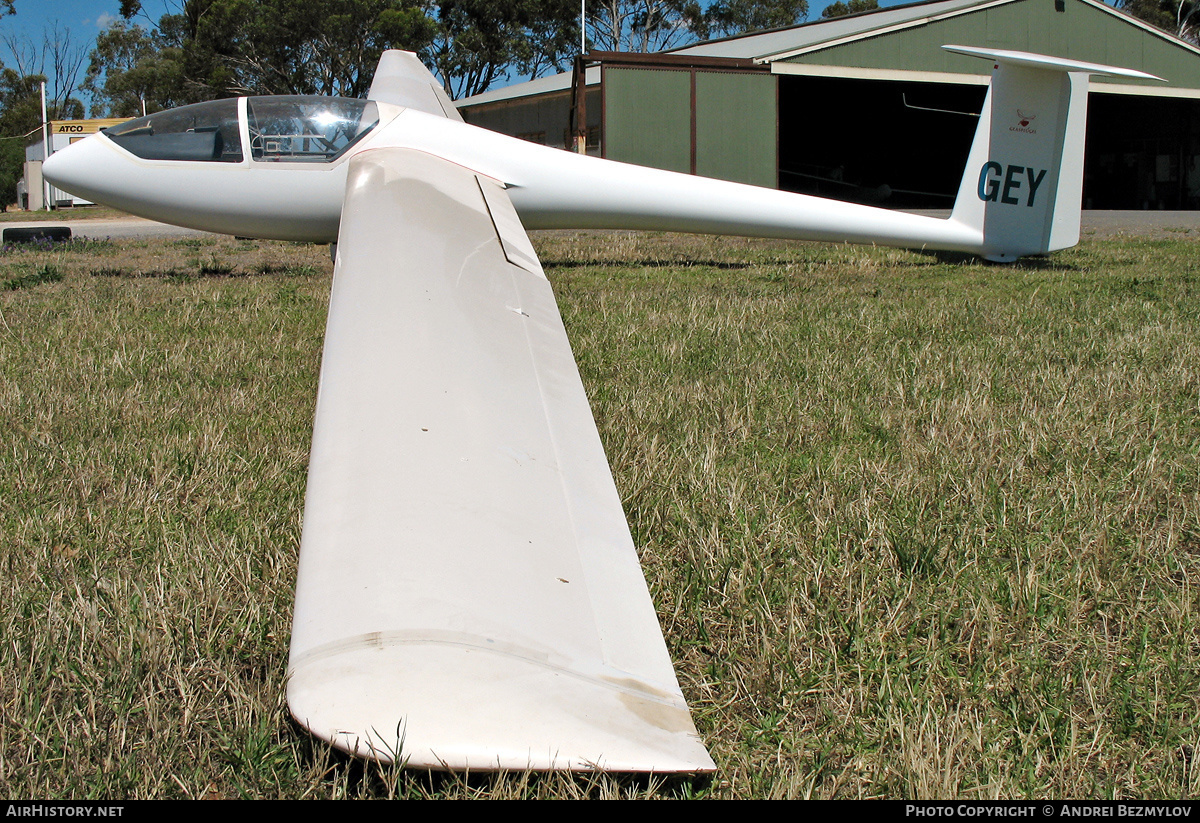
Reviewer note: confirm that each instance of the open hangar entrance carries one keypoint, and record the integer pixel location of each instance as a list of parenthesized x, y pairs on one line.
[(897, 145), (904, 144), (1142, 152)]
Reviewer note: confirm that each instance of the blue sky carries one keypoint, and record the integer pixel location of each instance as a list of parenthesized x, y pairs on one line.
[(83, 18), (86, 18)]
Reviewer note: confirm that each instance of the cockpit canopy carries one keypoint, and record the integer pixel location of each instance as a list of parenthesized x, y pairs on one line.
[(307, 129), (304, 129), (205, 131)]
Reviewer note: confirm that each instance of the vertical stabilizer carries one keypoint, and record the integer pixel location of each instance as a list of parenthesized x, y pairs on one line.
[(1023, 185)]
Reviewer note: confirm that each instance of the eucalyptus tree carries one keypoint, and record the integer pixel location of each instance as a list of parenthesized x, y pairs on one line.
[(1179, 17), (132, 69)]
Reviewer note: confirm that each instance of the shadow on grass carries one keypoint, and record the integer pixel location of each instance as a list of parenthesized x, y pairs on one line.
[(649, 263), (578, 785), (44, 274), (78, 245), (207, 271), (961, 258), (349, 776), (924, 258)]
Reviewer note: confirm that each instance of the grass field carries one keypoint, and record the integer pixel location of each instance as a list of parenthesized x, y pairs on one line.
[(15, 215), (914, 526)]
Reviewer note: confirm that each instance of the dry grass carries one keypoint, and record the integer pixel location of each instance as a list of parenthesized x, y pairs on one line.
[(914, 527)]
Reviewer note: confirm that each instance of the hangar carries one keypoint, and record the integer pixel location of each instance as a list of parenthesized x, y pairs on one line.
[(869, 108)]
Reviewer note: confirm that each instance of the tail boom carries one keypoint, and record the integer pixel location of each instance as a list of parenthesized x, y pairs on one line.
[(1020, 194)]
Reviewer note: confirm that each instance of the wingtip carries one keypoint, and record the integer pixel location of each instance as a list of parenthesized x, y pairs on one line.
[(453, 707)]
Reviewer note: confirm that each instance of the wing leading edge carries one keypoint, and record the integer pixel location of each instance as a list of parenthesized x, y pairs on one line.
[(469, 595)]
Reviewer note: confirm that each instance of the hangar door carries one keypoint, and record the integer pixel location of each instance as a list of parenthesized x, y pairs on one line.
[(904, 144), (713, 123)]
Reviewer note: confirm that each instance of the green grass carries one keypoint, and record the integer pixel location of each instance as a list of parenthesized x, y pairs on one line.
[(914, 526), (15, 215), (47, 273)]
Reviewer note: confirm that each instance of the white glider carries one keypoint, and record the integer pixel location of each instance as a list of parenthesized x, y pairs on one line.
[(469, 596)]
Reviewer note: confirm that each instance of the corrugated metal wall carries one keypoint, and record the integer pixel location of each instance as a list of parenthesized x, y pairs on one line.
[(736, 131), (544, 119), (648, 118), (714, 123)]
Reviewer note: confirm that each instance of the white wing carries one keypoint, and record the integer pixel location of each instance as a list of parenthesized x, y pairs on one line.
[(469, 595), (403, 80)]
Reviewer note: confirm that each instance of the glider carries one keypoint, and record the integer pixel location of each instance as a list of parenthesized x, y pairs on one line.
[(469, 596)]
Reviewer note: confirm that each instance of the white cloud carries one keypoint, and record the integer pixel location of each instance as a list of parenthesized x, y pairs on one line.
[(106, 19)]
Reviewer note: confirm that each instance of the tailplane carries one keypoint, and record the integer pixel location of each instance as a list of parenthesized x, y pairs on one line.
[(1023, 185)]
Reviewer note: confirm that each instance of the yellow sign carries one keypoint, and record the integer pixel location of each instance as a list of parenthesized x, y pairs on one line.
[(84, 126)]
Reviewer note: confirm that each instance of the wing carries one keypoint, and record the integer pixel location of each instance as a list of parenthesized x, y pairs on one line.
[(469, 595), (402, 79)]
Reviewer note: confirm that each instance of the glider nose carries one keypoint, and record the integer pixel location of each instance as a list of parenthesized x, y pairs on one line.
[(83, 169)]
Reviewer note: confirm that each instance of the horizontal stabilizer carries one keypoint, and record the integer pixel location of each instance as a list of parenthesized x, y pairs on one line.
[(1041, 61)]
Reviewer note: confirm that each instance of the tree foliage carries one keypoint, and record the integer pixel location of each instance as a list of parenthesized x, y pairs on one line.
[(655, 25), (55, 58), (285, 47), (841, 9), (642, 25), (21, 104), (725, 18), (1179, 18), (131, 65), (12, 168), (228, 47), (478, 41), (219, 48)]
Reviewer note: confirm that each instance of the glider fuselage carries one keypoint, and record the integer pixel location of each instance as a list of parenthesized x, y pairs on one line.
[(299, 199)]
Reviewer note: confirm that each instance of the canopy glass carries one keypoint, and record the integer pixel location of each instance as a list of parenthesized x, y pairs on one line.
[(204, 131), (298, 129), (307, 129)]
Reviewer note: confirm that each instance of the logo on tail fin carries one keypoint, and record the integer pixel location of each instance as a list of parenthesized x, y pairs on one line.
[(1023, 121)]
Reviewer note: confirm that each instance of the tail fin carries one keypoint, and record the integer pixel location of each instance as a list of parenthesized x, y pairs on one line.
[(1023, 184)]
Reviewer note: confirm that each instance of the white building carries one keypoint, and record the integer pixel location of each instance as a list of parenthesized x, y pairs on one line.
[(31, 190)]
